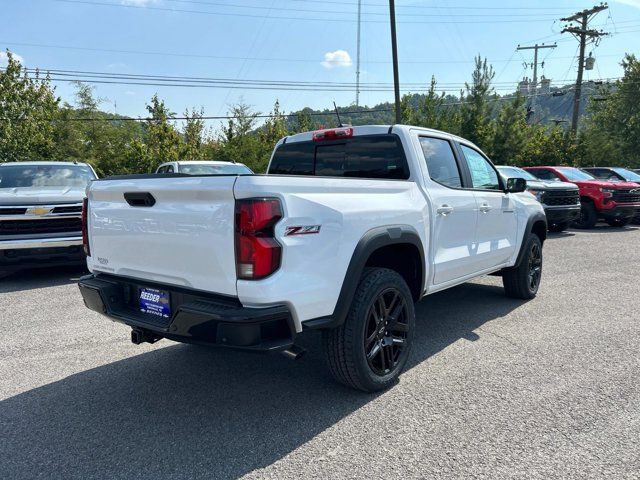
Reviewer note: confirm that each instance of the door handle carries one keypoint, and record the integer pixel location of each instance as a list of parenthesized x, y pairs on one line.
[(485, 207), (444, 210)]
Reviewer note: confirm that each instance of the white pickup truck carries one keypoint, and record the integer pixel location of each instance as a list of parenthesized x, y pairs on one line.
[(349, 227), (40, 209)]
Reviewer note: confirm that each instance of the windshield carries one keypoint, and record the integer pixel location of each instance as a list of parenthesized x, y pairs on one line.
[(575, 175), (515, 172), (15, 176), (193, 169), (627, 174)]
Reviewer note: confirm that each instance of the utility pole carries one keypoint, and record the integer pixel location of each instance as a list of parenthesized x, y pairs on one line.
[(358, 55), (578, 26), (535, 48), (394, 51)]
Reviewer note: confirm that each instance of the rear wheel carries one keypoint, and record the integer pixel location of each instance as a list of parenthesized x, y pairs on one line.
[(523, 281), (371, 348), (619, 222), (588, 216), (559, 227)]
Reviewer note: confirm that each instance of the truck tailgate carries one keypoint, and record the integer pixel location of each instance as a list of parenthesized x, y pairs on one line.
[(185, 238)]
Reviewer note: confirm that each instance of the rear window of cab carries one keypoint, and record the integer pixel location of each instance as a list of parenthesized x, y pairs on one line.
[(366, 156)]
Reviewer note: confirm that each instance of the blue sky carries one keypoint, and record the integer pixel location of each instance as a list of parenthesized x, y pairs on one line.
[(300, 40)]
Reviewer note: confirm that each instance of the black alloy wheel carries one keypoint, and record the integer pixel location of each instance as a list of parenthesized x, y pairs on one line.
[(386, 331), (535, 266)]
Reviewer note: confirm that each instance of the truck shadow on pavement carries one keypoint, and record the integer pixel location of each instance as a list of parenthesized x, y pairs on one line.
[(41, 278), (190, 412)]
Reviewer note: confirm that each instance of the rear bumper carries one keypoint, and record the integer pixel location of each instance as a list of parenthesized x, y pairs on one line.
[(562, 214), (196, 317)]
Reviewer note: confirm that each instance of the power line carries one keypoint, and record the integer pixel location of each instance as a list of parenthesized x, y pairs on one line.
[(215, 117), (386, 5), (262, 116), (273, 17), (261, 59), (77, 74), (349, 12)]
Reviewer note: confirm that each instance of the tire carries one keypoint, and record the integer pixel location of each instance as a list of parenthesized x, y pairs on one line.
[(523, 281), (619, 222), (370, 349), (559, 227), (588, 216)]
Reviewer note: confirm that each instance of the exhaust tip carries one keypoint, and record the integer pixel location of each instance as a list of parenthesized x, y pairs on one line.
[(294, 352)]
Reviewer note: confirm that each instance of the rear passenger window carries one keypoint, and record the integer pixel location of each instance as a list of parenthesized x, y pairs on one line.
[(374, 156), (441, 162), (293, 159)]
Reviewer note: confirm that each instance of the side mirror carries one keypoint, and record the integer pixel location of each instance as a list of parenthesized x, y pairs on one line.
[(516, 185)]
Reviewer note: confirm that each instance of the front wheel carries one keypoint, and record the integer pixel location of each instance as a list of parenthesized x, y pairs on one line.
[(619, 222), (588, 216), (371, 348), (523, 281)]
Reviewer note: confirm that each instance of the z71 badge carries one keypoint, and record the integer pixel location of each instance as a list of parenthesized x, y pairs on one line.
[(302, 230)]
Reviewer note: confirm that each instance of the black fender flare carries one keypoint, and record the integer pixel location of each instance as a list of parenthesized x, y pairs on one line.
[(537, 217), (370, 242)]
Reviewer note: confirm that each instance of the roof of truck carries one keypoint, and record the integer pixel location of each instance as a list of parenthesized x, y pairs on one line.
[(371, 130), (202, 162), (42, 163)]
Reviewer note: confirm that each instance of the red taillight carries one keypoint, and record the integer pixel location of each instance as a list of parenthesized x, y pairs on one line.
[(257, 251), (85, 229), (332, 134)]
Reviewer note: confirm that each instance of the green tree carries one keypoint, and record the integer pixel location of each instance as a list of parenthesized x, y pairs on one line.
[(163, 142), (547, 146), (28, 111), (304, 121), (274, 128), (509, 132), (476, 109), (612, 133), (194, 135), (238, 140)]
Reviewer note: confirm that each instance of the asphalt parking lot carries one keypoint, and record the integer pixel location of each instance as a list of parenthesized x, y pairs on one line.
[(496, 388)]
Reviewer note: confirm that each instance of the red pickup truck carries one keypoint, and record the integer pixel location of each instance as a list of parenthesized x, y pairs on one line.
[(614, 202)]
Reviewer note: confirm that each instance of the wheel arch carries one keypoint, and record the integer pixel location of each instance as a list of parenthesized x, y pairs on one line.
[(398, 248), (537, 225)]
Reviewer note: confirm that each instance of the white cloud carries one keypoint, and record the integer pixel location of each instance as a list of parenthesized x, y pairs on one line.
[(4, 60), (339, 58)]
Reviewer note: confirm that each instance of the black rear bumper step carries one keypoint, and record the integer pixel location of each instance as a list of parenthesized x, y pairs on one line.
[(197, 317)]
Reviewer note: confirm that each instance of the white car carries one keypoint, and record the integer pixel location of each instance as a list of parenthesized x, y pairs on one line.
[(40, 210), (347, 230), (202, 167)]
